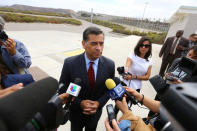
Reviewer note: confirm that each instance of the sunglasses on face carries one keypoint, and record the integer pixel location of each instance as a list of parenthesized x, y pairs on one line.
[(146, 46)]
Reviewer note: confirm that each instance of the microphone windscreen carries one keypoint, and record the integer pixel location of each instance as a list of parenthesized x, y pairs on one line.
[(19, 107), (110, 84)]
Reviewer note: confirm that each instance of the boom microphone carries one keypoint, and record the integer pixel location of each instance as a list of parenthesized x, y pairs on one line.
[(19, 107), (116, 91)]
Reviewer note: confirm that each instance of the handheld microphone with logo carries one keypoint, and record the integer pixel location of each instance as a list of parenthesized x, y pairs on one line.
[(73, 89), (116, 91)]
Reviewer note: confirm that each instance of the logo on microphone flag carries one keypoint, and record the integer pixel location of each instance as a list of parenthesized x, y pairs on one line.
[(116, 92), (73, 89)]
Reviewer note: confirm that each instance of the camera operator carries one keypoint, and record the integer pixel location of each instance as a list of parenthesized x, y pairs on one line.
[(40, 110), (14, 60), (175, 72), (176, 75), (137, 124)]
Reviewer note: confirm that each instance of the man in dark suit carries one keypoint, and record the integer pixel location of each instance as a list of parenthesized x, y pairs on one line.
[(172, 49), (93, 69), (192, 42)]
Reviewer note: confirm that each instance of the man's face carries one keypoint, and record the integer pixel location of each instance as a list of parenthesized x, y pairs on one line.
[(193, 38), (94, 46), (179, 33), (191, 55)]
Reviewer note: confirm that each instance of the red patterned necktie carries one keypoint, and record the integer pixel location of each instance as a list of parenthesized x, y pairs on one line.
[(91, 75)]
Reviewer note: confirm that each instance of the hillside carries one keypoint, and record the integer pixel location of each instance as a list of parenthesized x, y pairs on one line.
[(42, 9)]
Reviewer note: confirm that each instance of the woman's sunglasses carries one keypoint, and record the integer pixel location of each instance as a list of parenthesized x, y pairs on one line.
[(146, 46)]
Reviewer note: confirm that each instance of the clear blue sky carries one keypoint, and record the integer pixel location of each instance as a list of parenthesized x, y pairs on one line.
[(163, 9)]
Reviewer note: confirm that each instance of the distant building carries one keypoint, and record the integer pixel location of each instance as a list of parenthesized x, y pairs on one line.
[(185, 18)]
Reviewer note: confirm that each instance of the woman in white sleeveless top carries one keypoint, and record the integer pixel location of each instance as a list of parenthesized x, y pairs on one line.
[(139, 64)]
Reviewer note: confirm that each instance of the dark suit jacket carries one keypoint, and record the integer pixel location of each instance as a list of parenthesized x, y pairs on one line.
[(74, 67), (165, 50)]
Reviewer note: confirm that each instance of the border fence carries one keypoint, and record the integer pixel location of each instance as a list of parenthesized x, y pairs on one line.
[(156, 25)]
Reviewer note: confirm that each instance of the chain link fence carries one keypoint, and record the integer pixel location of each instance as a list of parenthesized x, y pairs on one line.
[(145, 25)]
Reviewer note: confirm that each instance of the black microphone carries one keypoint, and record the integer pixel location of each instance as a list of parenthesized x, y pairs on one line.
[(20, 107)]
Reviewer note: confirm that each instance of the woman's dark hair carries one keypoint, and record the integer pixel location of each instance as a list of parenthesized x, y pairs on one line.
[(137, 48)]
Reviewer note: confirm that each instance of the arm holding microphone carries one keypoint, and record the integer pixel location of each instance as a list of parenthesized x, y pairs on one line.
[(64, 97), (116, 93), (83, 104), (136, 122), (153, 105)]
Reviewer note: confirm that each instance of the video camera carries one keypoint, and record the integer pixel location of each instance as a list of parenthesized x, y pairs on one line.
[(54, 113), (185, 71), (121, 71), (51, 117), (36, 107), (179, 102), (3, 36)]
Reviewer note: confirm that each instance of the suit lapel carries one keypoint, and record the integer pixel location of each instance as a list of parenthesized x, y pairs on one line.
[(172, 40), (99, 72), (83, 70)]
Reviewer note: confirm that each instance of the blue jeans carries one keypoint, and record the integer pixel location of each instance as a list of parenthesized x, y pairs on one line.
[(12, 79)]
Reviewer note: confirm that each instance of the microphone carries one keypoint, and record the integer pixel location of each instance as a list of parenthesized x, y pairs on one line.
[(19, 107), (74, 88), (116, 91)]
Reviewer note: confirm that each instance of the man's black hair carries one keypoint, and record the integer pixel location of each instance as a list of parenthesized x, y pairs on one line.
[(91, 30)]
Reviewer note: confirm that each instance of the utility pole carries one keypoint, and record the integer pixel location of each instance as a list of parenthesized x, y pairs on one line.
[(91, 14), (144, 9), (145, 6)]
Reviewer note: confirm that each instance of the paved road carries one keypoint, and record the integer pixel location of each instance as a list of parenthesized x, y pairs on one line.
[(58, 27)]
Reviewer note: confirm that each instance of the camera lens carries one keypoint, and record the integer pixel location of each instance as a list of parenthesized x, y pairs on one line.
[(3, 36)]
